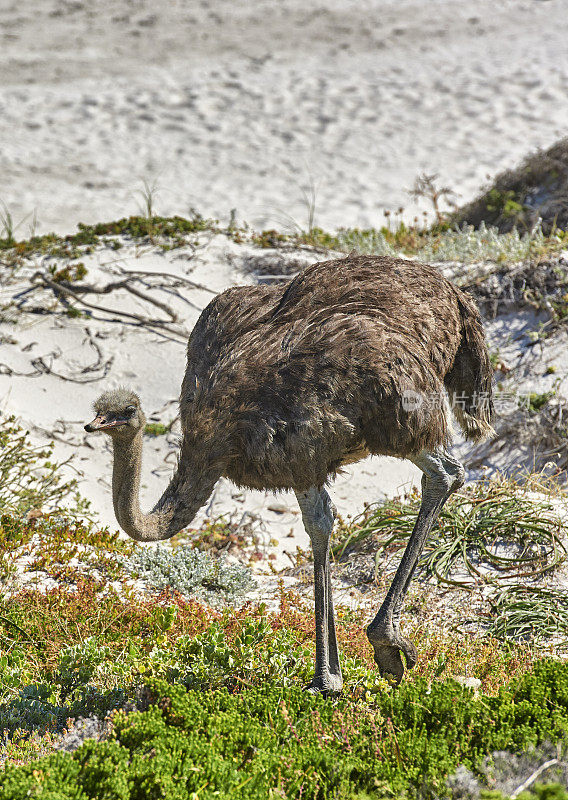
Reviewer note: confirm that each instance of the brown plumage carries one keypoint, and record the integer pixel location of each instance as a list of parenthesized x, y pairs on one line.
[(285, 384), (305, 377)]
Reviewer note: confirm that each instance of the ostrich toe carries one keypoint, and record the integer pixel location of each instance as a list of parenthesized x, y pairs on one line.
[(388, 654), (328, 685)]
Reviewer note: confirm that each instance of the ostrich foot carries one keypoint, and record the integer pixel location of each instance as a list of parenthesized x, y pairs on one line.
[(328, 685), (389, 646)]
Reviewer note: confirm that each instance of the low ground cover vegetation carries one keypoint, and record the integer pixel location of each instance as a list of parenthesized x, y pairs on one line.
[(443, 241), (203, 701), (278, 741)]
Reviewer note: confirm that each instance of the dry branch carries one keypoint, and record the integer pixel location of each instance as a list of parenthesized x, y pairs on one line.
[(78, 289), (179, 278), (62, 290), (532, 778)]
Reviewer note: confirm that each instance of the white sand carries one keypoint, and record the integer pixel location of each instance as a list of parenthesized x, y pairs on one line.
[(235, 104)]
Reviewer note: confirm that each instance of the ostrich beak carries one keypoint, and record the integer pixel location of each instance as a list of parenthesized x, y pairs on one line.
[(101, 423)]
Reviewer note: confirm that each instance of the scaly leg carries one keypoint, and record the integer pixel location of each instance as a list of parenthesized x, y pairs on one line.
[(442, 476), (318, 514)]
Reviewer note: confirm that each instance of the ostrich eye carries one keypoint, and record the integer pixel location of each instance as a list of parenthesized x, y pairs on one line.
[(130, 410)]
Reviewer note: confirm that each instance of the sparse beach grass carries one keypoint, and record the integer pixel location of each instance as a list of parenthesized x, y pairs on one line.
[(440, 243), (488, 531)]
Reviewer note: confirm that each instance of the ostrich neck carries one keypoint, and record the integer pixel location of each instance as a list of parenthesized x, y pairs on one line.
[(187, 491)]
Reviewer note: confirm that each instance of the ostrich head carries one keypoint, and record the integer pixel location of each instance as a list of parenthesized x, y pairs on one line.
[(118, 413)]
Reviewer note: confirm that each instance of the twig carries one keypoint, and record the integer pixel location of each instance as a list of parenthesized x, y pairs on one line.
[(6, 370), (97, 349), (179, 278), (83, 288), (42, 368), (532, 778), (59, 288), (170, 288)]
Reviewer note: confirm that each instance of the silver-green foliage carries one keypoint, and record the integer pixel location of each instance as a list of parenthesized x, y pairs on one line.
[(192, 573), (468, 245), (465, 245)]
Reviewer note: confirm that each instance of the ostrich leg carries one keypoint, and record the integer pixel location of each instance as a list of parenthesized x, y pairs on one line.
[(442, 476), (318, 514)]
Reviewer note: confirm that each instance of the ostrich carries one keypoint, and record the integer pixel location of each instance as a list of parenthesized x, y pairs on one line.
[(286, 384)]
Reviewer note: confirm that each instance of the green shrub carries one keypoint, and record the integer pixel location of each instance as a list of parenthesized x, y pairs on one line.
[(256, 654), (156, 429), (276, 741), (68, 692), (28, 477)]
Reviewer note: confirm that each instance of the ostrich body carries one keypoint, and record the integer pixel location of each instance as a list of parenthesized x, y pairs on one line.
[(286, 384)]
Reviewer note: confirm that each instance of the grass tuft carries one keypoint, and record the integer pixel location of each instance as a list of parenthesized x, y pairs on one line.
[(531, 613), (487, 531)]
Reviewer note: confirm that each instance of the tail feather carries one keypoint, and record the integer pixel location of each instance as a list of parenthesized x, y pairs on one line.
[(470, 380)]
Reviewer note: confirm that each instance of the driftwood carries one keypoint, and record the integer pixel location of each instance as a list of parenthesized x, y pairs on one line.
[(77, 290), (535, 775), (177, 278), (42, 293), (81, 296)]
